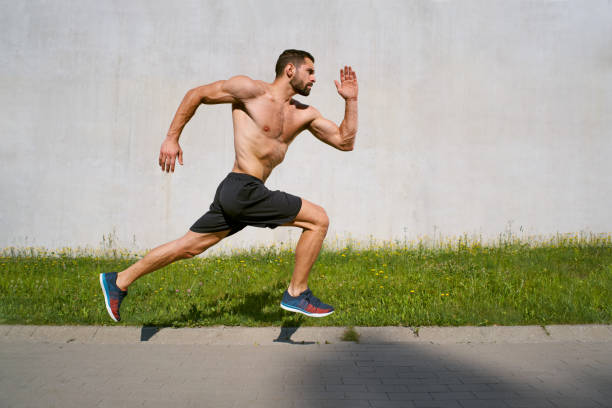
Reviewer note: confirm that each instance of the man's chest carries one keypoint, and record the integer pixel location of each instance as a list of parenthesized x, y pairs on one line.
[(277, 119)]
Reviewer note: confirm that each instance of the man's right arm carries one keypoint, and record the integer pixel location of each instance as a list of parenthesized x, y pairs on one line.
[(233, 90)]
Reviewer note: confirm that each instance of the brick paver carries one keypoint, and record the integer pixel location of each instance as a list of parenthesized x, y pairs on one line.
[(551, 375)]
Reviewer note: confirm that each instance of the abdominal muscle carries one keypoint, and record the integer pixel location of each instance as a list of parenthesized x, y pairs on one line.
[(257, 151)]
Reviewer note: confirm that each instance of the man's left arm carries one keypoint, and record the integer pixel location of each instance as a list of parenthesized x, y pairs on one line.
[(341, 137)]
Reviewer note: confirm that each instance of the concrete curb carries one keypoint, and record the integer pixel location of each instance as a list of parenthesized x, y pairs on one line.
[(230, 336)]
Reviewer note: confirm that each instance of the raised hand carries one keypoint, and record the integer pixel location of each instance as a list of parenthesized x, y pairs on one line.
[(347, 87)]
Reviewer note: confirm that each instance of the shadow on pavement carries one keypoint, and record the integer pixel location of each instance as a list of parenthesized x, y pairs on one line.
[(147, 332), (377, 375), (289, 328)]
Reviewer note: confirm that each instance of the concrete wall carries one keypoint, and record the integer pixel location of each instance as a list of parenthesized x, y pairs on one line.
[(474, 116)]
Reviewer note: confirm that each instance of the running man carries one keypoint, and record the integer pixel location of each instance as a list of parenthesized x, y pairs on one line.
[(266, 120)]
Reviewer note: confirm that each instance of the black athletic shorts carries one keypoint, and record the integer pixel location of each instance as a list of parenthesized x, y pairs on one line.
[(242, 200)]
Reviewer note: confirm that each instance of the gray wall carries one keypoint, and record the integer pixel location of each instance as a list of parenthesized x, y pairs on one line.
[(474, 116)]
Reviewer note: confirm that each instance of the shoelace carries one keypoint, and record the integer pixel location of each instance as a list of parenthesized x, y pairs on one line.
[(312, 299)]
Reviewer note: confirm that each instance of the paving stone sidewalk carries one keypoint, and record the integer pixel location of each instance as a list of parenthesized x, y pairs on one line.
[(566, 366)]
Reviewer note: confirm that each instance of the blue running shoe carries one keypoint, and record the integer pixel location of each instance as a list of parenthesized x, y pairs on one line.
[(113, 296), (306, 303)]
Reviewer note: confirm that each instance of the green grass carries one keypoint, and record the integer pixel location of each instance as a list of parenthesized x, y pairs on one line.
[(350, 335), (513, 283)]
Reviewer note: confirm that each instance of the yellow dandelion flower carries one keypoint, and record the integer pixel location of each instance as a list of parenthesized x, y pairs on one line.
[(412, 291)]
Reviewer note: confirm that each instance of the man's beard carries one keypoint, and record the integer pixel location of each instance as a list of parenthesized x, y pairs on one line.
[(301, 89)]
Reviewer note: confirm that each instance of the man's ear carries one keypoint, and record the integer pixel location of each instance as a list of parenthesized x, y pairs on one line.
[(290, 70)]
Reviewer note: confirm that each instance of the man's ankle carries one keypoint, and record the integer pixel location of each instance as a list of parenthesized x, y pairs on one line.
[(294, 291), (120, 284)]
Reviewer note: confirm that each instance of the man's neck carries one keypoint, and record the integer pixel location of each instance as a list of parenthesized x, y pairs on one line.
[(281, 89)]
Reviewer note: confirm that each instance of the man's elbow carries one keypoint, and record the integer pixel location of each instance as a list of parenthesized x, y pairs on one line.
[(348, 144), (195, 96)]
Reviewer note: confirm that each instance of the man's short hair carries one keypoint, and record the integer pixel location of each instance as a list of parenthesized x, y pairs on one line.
[(295, 57)]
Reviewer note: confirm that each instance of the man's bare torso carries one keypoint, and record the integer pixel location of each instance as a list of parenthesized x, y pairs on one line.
[(263, 129), (266, 119)]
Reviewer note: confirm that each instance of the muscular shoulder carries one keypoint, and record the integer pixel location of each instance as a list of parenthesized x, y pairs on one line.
[(242, 87), (309, 112)]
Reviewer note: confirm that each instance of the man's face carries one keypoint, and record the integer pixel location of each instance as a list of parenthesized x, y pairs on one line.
[(304, 78)]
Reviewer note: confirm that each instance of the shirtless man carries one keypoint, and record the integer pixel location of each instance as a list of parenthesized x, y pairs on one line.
[(266, 120)]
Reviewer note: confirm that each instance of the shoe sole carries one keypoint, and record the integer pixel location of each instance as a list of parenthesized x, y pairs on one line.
[(106, 302), (296, 310)]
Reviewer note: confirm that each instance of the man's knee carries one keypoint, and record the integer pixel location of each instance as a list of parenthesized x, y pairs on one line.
[(190, 252), (193, 244), (321, 221), (186, 250)]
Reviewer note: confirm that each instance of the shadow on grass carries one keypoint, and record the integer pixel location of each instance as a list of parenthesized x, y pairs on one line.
[(248, 308), (254, 306)]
